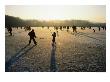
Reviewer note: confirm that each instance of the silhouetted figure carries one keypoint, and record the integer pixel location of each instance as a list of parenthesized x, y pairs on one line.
[(74, 28), (103, 27), (54, 35), (9, 30), (67, 28), (56, 28), (27, 28), (64, 27), (32, 37), (83, 28), (94, 30), (99, 28), (61, 28), (90, 27)]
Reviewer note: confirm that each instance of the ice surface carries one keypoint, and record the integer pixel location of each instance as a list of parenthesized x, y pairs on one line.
[(84, 51)]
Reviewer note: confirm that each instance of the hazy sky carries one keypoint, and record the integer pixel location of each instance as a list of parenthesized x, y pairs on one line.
[(95, 13)]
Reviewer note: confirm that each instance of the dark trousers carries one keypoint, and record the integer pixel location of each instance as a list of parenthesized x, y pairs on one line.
[(53, 40), (33, 40)]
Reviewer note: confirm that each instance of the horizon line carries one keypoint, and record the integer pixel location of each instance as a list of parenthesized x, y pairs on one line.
[(54, 19)]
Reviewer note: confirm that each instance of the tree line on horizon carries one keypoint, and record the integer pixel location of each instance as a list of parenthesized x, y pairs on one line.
[(18, 22)]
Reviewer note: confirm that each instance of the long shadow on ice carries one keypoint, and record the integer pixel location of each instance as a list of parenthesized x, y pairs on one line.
[(19, 54), (53, 66)]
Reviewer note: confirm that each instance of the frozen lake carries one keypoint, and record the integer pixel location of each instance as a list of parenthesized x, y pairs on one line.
[(84, 51)]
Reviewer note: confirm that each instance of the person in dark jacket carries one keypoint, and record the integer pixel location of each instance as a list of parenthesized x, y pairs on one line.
[(94, 30), (67, 28), (32, 37), (54, 35), (9, 30), (74, 28)]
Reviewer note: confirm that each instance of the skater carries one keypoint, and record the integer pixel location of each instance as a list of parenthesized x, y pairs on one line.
[(54, 35), (103, 27), (32, 37), (74, 28), (90, 27), (56, 28), (67, 28), (9, 30), (99, 28), (29, 28), (94, 30), (61, 28)]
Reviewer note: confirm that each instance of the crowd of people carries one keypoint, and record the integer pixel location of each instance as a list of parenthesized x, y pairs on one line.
[(32, 34)]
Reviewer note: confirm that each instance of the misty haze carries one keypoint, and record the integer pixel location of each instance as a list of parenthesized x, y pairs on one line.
[(55, 38)]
